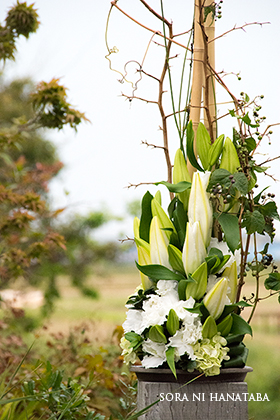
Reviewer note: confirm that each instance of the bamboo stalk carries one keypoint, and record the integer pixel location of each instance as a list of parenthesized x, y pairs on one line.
[(198, 75), (209, 30)]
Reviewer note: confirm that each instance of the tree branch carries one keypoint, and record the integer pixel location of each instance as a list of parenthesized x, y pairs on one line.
[(237, 28)]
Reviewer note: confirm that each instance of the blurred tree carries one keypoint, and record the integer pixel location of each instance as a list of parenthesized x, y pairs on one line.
[(34, 244)]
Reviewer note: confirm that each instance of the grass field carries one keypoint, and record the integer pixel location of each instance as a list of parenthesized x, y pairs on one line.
[(107, 312)]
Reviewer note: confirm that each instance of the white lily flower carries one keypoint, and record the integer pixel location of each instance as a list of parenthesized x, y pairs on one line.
[(158, 244), (216, 298), (200, 209), (194, 251), (231, 274)]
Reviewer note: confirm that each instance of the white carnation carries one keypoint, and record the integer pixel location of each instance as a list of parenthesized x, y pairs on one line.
[(156, 354)]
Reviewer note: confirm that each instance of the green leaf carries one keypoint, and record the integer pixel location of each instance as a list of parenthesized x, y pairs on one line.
[(209, 328), (237, 361), (230, 227), (240, 326), (156, 334), (146, 217), (250, 144), (190, 150), (246, 119), (272, 282), (253, 222), (180, 222), (257, 198), (135, 339), (233, 339), (270, 210), (159, 272), (172, 323), (217, 252), (241, 182), (260, 169), (170, 358), (175, 258), (243, 304), (182, 285), (203, 145), (219, 176), (176, 188), (225, 325)]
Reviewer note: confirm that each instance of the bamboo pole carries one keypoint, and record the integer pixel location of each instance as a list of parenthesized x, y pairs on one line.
[(198, 74), (209, 30)]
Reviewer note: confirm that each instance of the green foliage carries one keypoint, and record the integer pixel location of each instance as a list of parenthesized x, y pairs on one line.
[(80, 381), (21, 20), (51, 106), (77, 260)]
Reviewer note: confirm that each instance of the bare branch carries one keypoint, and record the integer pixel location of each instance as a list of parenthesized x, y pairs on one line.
[(269, 160), (140, 183), (235, 28), (140, 99), (114, 3), (152, 145), (155, 13)]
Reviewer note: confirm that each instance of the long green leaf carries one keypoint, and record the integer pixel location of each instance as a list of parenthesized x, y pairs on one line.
[(159, 272), (190, 150), (170, 358), (176, 188), (230, 227), (146, 217)]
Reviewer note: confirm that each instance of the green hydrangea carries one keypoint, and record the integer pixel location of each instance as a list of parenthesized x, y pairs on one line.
[(210, 353), (128, 354)]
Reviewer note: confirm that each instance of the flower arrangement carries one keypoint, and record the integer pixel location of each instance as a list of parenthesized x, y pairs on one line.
[(193, 256), (186, 313)]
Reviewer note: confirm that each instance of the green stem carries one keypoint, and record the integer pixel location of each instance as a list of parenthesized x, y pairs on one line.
[(168, 68), (257, 281)]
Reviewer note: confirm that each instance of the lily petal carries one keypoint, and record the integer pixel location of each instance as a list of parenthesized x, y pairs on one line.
[(200, 209), (158, 244), (216, 298), (194, 251)]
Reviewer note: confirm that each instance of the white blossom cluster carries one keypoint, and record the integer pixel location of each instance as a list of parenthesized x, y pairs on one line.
[(187, 340)]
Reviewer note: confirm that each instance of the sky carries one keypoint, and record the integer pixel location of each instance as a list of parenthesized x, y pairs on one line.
[(106, 155)]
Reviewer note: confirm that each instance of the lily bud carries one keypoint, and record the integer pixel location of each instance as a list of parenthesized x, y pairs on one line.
[(164, 221), (175, 258), (194, 251), (143, 249), (200, 209), (156, 334), (215, 150), (216, 298), (158, 244), (203, 145), (209, 328), (231, 274), (229, 160), (181, 173), (158, 197), (197, 290), (136, 225), (172, 323)]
